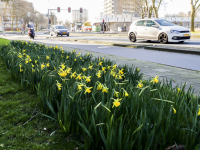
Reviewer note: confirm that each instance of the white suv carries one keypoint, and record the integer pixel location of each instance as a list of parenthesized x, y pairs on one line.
[(157, 29)]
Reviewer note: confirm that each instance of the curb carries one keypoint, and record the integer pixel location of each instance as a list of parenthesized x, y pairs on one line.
[(172, 50)]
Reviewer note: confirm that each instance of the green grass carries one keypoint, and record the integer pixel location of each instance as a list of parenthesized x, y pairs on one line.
[(4, 41), (17, 130), (17, 106)]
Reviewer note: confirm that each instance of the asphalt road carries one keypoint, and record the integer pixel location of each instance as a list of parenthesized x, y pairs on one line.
[(191, 43), (186, 61)]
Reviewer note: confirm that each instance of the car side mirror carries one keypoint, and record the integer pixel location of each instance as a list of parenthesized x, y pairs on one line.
[(155, 26)]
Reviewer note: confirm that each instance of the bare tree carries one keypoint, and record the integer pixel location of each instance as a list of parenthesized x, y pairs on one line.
[(67, 24), (195, 4)]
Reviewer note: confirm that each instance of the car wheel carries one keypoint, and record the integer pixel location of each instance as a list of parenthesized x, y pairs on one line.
[(163, 39), (67, 34), (132, 37), (148, 40), (181, 41), (61, 35), (57, 34)]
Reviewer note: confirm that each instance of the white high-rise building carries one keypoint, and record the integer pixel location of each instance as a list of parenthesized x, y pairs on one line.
[(117, 7), (79, 17)]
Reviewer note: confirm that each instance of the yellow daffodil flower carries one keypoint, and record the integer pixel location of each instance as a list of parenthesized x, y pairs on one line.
[(100, 63), (173, 109), (114, 66), (47, 57), (98, 74), (155, 80), (68, 70), (138, 69), (88, 54), (32, 66), (116, 102), (30, 60), (63, 65), (24, 51), (73, 75), (20, 65), (140, 84), (59, 85), (105, 89), (27, 56), (42, 66), (125, 93), (21, 70), (48, 65), (33, 70), (67, 57), (74, 59), (121, 71), (84, 69), (199, 112), (103, 68), (36, 61), (87, 89), (88, 79), (178, 89), (90, 67), (100, 86), (79, 77), (108, 67), (116, 94), (80, 86), (26, 61)]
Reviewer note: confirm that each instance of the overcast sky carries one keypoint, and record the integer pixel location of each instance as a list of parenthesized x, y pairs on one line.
[(95, 7)]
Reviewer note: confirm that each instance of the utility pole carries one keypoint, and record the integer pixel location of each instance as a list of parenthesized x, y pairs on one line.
[(2, 19)]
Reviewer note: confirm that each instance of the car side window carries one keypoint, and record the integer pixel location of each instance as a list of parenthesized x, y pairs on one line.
[(149, 23), (140, 23)]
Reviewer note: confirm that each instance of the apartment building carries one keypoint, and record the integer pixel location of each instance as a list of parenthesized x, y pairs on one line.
[(10, 20), (119, 7), (79, 17)]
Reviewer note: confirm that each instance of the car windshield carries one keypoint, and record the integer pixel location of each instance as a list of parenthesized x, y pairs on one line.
[(60, 27), (164, 23)]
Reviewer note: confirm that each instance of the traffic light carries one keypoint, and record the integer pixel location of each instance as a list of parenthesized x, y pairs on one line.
[(49, 21), (103, 21), (69, 9), (58, 9), (81, 10)]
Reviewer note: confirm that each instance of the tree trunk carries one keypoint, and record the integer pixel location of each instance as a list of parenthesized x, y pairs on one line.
[(150, 12), (192, 20), (12, 23), (192, 16)]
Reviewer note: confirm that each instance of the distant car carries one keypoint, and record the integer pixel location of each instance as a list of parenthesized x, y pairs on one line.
[(158, 29), (58, 30)]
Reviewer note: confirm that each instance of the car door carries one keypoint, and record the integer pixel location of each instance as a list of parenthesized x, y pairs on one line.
[(150, 32), (139, 29)]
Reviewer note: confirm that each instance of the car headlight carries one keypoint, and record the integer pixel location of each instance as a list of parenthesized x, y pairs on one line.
[(175, 31), (58, 31)]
